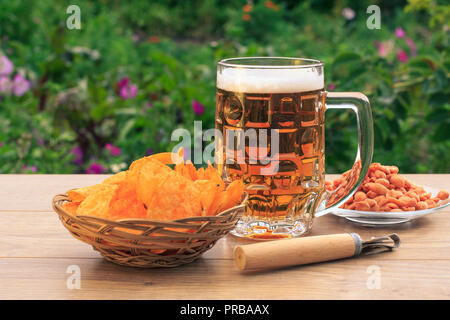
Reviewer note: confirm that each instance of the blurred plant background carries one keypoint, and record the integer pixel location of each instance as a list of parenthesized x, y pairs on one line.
[(92, 100)]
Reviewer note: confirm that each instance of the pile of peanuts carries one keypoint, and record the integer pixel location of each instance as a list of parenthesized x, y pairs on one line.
[(384, 190)]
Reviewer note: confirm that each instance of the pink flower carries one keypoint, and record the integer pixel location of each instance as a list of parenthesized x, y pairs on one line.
[(1, 144), (126, 89), (78, 155), (197, 107), (6, 66), (400, 33), (33, 169), (123, 82), (20, 85), (402, 56), (128, 92), (382, 51), (113, 150), (331, 86), (95, 168), (412, 46), (348, 13), (384, 48), (5, 84)]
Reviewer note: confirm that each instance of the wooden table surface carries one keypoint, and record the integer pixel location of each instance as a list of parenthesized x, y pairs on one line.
[(36, 253)]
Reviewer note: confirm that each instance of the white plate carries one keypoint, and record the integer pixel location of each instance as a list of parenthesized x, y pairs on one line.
[(389, 218)]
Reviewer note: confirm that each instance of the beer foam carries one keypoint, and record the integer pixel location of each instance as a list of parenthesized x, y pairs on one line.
[(276, 80)]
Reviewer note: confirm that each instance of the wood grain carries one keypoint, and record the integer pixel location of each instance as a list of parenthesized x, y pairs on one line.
[(23, 232), (35, 251), (219, 279), (39, 189)]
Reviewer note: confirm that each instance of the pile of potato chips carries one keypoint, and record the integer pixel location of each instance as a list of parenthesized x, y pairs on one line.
[(150, 189)]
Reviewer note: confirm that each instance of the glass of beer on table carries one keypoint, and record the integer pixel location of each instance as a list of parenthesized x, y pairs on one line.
[(270, 113)]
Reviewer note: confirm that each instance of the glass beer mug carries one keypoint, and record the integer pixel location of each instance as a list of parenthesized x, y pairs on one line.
[(270, 114)]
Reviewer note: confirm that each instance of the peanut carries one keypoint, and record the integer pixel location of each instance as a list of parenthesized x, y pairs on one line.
[(389, 206), (443, 194), (421, 205), (384, 182), (359, 196), (412, 202), (398, 202), (380, 174), (425, 196), (377, 188), (371, 194), (371, 202), (362, 206), (414, 195), (393, 169), (407, 184), (385, 169), (430, 203), (394, 193), (383, 189), (382, 201), (397, 181)]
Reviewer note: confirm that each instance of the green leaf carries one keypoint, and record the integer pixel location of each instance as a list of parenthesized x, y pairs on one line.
[(423, 63), (438, 115), (442, 132), (127, 112), (439, 99), (346, 58)]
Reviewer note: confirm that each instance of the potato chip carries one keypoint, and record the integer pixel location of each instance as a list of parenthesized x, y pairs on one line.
[(117, 178), (78, 195), (71, 207), (191, 171), (168, 157), (209, 191), (97, 203), (125, 203), (147, 165), (173, 197), (234, 193), (150, 189), (147, 178), (218, 202), (201, 174), (187, 170), (212, 174), (228, 198)]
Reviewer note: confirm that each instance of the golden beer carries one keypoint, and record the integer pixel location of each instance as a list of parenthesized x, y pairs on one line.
[(271, 121)]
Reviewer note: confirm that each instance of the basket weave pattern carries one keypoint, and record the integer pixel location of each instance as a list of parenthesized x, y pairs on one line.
[(149, 243)]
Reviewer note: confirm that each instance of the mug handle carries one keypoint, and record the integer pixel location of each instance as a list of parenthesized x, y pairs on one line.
[(360, 104)]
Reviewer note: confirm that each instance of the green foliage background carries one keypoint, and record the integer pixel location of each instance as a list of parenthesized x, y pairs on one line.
[(170, 50)]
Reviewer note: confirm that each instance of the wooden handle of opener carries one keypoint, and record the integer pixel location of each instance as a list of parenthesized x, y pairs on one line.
[(296, 251)]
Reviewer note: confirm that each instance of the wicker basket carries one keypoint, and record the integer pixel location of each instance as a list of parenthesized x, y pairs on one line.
[(149, 243)]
